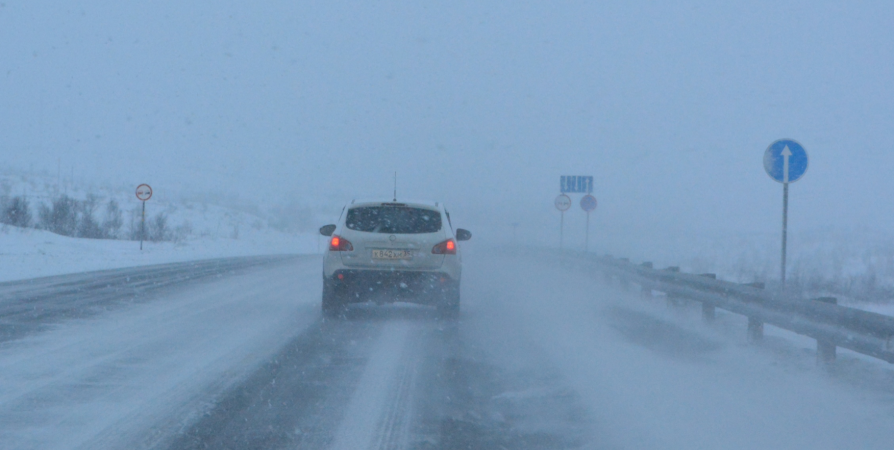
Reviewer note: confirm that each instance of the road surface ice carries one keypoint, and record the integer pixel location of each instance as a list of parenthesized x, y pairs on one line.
[(543, 356)]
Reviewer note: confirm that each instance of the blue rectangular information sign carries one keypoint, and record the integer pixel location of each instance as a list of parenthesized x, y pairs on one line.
[(576, 184)]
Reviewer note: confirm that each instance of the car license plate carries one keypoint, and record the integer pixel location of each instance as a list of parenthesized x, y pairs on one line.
[(392, 254)]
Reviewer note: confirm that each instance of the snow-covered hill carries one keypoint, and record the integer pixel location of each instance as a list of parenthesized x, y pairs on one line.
[(199, 228)]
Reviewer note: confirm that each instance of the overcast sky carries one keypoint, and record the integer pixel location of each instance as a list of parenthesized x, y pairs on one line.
[(670, 105)]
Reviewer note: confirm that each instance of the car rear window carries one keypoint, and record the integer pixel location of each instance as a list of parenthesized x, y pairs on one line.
[(393, 219)]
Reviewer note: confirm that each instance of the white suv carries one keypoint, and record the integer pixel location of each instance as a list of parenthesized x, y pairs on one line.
[(385, 251)]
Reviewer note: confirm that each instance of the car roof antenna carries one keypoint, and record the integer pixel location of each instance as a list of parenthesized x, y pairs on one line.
[(395, 186)]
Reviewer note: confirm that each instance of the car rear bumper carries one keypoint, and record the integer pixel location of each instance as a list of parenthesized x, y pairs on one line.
[(356, 286)]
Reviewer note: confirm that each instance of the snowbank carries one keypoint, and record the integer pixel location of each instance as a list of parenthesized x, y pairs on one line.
[(29, 253)]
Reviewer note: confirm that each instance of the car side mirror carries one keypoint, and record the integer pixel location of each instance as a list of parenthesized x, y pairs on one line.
[(327, 230), (463, 235)]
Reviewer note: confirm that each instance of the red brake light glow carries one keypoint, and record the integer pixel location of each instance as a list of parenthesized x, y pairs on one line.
[(340, 244), (447, 247)]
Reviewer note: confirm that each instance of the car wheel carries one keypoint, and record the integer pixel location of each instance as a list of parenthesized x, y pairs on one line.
[(449, 304), (333, 305)]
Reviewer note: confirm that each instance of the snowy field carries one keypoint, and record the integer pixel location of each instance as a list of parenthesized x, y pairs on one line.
[(200, 229)]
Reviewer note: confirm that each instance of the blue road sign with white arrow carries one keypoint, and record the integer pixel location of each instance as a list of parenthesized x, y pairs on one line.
[(785, 161)]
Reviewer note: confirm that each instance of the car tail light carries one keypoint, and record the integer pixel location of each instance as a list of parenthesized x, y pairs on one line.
[(340, 244), (447, 247)]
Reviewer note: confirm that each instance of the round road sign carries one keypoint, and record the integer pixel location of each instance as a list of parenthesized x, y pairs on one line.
[(588, 203), (563, 202), (144, 192), (785, 161)]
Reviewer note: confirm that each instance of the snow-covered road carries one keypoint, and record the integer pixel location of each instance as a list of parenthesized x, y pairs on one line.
[(140, 372), (542, 357)]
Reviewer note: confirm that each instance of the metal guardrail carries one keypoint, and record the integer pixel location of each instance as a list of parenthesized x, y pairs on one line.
[(823, 319)]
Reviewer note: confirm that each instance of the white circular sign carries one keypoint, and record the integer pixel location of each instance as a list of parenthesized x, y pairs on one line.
[(144, 192), (563, 202)]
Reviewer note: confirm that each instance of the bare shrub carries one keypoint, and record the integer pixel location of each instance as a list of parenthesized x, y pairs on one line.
[(61, 217), (111, 225), (16, 212), (157, 228), (88, 227), (182, 231)]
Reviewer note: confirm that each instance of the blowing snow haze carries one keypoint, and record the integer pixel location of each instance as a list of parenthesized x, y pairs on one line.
[(479, 104), (224, 313)]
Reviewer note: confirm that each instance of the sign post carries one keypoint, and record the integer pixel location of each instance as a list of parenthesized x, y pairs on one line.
[(562, 202), (588, 204), (581, 184), (786, 162), (144, 192)]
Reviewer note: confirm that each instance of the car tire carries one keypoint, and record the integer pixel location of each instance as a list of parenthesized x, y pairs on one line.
[(449, 304), (333, 305)]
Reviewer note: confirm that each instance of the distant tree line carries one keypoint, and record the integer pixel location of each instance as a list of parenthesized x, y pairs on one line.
[(86, 219)]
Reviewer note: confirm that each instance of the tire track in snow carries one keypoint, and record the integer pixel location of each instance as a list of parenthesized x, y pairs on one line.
[(296, 399), (394, 377), (394, 429), (370, 420)]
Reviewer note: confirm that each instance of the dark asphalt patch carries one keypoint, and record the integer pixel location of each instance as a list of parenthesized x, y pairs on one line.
[(295, 400), (468, 403)]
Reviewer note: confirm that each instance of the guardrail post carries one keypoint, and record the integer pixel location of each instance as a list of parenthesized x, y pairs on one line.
[(869, 333), (672, 300), (755, 325), (825, 351), (708, 309)]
